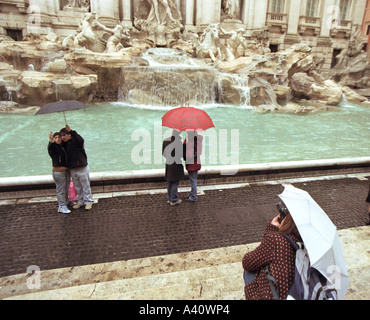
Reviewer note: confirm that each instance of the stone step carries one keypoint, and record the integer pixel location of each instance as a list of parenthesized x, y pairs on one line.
[(170, 270), (214, 274), (216, 282)]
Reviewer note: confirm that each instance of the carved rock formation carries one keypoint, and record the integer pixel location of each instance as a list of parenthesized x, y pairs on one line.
[(38, 71)]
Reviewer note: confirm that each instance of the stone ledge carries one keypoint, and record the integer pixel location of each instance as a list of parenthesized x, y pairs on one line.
[(102, 182)]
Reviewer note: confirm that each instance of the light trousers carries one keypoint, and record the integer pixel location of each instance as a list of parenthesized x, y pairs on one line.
[(81, 181), (61, 180), (193, 196)]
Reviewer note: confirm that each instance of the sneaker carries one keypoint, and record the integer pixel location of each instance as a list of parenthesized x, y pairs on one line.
[(88, 206), (64, 210), (77, 206), (187, 199), (175, 203)]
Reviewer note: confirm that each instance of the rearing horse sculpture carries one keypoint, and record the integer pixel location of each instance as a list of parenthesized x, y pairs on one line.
[(209, 45)]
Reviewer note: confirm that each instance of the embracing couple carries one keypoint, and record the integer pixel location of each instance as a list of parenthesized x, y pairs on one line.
[(66, 149), (174, 151)]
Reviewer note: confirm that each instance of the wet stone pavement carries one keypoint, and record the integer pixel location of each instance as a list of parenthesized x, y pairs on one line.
[(130, 227)]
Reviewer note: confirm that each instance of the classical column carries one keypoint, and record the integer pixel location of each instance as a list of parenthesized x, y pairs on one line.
[(208, 12), (107, 11), (294, 14), (330, 16), (259, 15), (39, 20), (126, 12), (359, 7), (248, 13), (189, 14)]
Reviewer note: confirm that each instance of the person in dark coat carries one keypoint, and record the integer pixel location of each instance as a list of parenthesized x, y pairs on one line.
[(276, 252), (78, 166), (172, 150), (192, 151), (61, 175)]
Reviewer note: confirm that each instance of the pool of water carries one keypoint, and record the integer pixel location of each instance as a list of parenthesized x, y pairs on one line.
[(123, 137)]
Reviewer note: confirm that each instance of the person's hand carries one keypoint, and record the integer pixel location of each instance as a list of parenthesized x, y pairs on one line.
[(51, 138), (68, 128), (275, 221)]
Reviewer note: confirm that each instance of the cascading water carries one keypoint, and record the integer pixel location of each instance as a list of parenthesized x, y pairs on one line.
[(166, 86), (242, 83), (171, 79)]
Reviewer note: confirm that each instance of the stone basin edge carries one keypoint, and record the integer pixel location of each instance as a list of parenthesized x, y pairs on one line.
[(223, 170)]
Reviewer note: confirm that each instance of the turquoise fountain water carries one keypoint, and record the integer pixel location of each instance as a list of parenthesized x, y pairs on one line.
[(120, 137)]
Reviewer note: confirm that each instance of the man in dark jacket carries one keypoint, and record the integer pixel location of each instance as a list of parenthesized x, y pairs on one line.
[(78, 166), (60, 173), (172, 151)]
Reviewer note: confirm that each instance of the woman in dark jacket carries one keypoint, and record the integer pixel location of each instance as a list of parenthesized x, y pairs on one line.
[(60, 173), (172, 150), (276, 252), (192, 151)]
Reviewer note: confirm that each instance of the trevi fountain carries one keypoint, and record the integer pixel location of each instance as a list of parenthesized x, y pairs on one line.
[(278, 105)]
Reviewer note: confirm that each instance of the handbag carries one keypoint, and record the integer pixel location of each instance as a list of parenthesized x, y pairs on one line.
[(72, 193)]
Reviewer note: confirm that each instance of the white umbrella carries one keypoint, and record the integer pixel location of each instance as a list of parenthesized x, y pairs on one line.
[(320, 237)]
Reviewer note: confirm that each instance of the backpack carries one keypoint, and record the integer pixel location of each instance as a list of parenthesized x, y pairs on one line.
[(309, 283)]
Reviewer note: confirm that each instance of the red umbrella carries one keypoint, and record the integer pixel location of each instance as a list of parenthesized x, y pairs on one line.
[(183, 118)]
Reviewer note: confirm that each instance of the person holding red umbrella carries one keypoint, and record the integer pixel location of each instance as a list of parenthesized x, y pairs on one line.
[(182, 119), (172, 150), (192, 151)]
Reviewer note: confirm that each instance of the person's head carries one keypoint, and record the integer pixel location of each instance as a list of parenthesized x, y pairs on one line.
[(57, 138), (191, 133), (175, 134), (65, 135), (288, 226)]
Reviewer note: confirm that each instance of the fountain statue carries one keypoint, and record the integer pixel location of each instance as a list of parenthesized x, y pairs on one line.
[(230, 9), (82, 5), (157, 61), (209, 44), (89, 36), (352, 65), (158, 21), (233, 44)]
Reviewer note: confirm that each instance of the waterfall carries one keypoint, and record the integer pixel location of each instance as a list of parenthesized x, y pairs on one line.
[(17, 63), (242, 83), (168, 86), (171, 79)]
